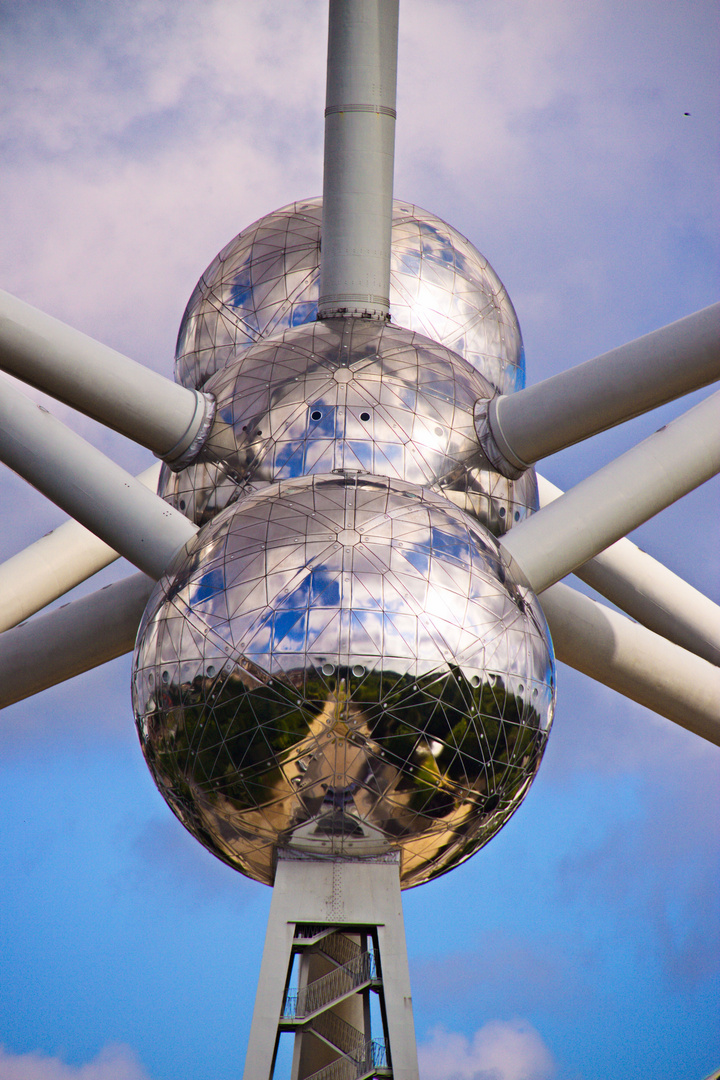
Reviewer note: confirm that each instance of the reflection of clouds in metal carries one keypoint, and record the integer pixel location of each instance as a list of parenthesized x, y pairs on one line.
[(352, 395), (344, 664), (265, 281)]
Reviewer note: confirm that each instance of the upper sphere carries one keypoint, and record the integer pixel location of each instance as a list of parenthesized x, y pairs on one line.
[(266, 281)]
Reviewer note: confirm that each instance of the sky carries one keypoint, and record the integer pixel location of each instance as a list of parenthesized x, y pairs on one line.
[(575, 145)]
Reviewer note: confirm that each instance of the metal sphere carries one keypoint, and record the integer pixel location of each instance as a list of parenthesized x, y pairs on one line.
[(342, 664), (265, 281), (352, 395)]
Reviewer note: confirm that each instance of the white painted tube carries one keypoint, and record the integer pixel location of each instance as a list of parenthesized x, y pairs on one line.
[(575, 404), (632, 660), (649, 592), (617, 498), (359, 158), (43, 352), (54, 564), (82, 635), (88, 486)]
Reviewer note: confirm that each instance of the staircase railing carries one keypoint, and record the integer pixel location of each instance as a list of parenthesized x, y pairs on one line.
[(340, 948), (328, 988), (340, 1034), (345, 1068)]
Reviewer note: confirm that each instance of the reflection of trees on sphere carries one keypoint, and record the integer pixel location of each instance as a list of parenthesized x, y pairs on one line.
[(343, 664)]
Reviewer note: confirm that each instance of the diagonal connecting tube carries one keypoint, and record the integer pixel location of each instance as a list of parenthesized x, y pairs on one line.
[(646, 590), (43, 352), (55, 564), (617, 498), (516, 430), (88, 486)]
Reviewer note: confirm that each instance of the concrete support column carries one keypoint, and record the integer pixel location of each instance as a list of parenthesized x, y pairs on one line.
[(363, 893)]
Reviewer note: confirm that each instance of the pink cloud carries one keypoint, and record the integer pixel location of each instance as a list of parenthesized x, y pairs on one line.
[(500, 1050), (114, 1062)]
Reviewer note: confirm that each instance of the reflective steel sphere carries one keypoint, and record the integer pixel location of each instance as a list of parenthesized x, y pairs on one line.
[(351, 395), (342, 664), (265, 281)]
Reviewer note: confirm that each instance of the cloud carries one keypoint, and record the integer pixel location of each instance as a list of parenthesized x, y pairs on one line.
[(136, 144), (500, 1050), (114, 1062)]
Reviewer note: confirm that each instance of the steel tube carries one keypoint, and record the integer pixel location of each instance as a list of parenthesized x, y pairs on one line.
[(359, 158), (632, 660), (603, 392), (88, 486), (54, 564), (617, 498), (649, 592), (96, 380), (82, 635)]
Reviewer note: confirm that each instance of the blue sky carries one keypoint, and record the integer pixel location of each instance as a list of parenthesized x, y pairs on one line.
[(583, 942)]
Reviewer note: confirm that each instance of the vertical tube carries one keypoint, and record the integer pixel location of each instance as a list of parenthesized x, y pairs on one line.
[(359, 159)]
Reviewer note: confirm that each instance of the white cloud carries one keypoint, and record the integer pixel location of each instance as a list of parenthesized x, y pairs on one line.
[(114, 1062), (500, 1050)]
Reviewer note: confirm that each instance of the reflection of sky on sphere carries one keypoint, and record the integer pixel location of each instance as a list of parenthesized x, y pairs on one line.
[(265, 281), (352, 395), (352, 639)]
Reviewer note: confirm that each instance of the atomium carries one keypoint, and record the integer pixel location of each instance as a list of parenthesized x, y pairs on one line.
[(344, 673), (340, 662)]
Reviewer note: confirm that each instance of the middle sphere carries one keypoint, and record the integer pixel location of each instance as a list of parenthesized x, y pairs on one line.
[(349, 395)]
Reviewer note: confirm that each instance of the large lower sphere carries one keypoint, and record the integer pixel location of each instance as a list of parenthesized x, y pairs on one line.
[(342, 665)]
